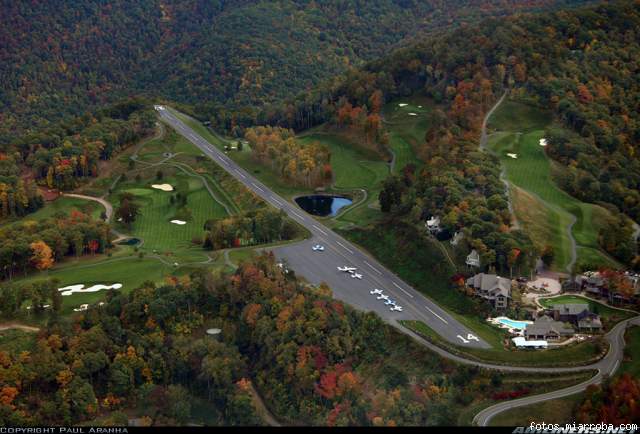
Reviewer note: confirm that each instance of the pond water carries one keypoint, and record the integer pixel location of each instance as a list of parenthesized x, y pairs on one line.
[(323, 205)]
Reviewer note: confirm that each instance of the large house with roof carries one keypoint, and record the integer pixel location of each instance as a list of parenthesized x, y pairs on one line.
[(495, 289), (577, 314), (546, 328)]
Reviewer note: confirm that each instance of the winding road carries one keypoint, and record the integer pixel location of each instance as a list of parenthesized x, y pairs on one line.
[(321, 267)]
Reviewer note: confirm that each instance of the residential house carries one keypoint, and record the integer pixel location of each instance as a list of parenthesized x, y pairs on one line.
[(495, 289), (473, 259), (433, 225), (546, 328), (577, 314), (457, 237)]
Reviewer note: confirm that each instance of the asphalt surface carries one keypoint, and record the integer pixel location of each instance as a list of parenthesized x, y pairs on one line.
[(317, 267)]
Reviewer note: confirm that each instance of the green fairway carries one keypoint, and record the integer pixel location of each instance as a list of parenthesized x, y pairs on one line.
[(631, 363), (407, 131), (520, 132)]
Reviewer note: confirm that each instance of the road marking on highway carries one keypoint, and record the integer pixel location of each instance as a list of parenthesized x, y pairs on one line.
[(345, 247), (323, 232), (374, 268), (441, 319), (297, 215), (464, 341), (256, 186), (240, 173), (615, 366), (401, 289), (276, 200)]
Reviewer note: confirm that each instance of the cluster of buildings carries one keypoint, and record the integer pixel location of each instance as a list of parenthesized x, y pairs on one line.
[(563, 321), (595, 284)]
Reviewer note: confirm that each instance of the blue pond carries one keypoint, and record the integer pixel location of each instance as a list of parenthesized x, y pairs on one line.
[(323, 205)]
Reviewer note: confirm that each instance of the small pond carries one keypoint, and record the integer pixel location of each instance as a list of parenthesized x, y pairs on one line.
[(129, 242), (323, 205)]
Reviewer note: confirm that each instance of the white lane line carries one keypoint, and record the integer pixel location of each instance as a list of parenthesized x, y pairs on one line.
[(374, 268), (276, 200), (441, 319), (323, 232), (345, 247), (297, 215), (400, 288), (256, 186), (240, 173)]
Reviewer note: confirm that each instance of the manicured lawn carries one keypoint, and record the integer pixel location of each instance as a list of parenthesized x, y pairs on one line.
[(569, 355), (153, 224), (559, 411), (407, 132), (522, 128), (609, 315)]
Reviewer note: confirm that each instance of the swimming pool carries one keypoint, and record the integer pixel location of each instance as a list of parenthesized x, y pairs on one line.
[(513, 324)]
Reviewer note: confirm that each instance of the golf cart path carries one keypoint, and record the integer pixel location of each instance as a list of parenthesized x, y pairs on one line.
[(15, 325), (108, 211)]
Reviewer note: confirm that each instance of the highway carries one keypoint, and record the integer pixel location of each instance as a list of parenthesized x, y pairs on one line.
[(322, 266), (317, 267)]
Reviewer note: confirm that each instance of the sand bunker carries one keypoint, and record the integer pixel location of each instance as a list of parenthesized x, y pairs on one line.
[(68, 290), (543, 142), (512, 155), (413, 114), (178, 222), (81, 308), (163, 187), (402, 104)]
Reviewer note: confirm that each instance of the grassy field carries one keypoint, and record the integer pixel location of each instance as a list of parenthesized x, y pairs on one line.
[(63, 205), (544, 210), (610, 316)]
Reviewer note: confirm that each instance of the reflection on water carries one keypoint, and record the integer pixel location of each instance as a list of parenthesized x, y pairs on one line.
[(323, 205)]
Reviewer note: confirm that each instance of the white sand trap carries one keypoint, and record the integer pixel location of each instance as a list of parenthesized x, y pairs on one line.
[(178, 222), (419, 106), (81, 308), (163, 187), (543, 142), (512, 155), (68, 290), (402, 104), (413, 114)]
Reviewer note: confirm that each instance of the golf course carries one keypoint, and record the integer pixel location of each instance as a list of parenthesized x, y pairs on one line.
[(548, 214)]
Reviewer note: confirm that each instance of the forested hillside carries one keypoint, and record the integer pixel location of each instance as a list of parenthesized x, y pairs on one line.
[(582, 64), (314, 360), (59, 58)]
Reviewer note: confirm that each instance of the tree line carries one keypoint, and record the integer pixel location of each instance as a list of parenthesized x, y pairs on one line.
[(307, 165), (314, 360), (31, 246)]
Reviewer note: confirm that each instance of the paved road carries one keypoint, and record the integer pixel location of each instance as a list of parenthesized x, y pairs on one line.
[(317, 267), (606, 366)]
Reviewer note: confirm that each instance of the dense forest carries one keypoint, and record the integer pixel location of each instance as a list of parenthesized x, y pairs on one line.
[(556, 60), (262, 226), (313, 359), (278, 149), (28, 246), (227, 56)]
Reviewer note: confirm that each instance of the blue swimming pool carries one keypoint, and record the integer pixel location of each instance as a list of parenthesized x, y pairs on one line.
[(520, 325)]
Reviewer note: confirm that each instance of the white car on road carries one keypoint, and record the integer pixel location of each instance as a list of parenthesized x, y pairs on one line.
[(318, 248)]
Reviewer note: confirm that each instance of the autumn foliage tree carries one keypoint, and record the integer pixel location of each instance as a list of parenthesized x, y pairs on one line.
[(42, 257)]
